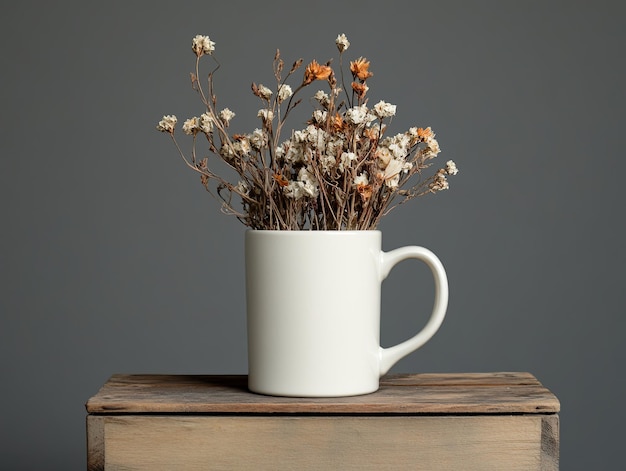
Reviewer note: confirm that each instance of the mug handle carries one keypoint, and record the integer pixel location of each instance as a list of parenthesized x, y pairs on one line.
[(390, 356)]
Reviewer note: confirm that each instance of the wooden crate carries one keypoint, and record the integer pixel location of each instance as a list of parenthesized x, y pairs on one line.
[(471, 421)]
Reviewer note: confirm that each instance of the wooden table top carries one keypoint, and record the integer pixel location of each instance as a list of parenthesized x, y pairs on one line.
[(426, 393)]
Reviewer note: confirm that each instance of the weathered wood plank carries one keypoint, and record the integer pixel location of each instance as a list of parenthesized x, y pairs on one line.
[(550, 443), (458, 379), (95, 443), (466, 393), (352, 442)]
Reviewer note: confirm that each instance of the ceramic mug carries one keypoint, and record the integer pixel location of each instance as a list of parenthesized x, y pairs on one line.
[(313, 311)]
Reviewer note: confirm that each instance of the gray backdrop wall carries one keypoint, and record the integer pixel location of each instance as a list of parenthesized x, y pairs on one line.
[(115, 260)]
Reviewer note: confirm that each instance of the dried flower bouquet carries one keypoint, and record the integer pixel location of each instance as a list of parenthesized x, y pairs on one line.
[(341, 172)]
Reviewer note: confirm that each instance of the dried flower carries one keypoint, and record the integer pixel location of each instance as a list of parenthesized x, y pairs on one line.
[(451, 168), (373, 134), (383, 109), (206, 123), (363, 187), (337, 123), (358, 115), (384, 156), (432, 148), (360, 89), (439, 182), (265, 115), (345, 161), (202, 45), (342, 43), (226, 115), (258, 139), (314, 71), (361, 180), (322, 98), (360, 68), (281, 180), (425, 134), (264, 92), (167, 124), (191, 126), (284, 92), (391, 175)]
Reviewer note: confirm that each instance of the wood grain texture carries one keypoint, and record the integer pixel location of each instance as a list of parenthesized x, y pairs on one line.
[(95, 443), (462, 393), (512, 443), (469, 421), (550, 442)]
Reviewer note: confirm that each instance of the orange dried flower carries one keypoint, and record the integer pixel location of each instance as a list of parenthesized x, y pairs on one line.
[(360, 89), (371, 134), (315, 71), (281, 180), (360, 68), (337, 123), (425, 134), (365, 191)]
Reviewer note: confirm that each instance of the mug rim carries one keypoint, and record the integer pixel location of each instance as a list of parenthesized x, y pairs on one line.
[(311, 231)]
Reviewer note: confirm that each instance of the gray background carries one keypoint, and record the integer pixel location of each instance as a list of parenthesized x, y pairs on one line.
[(115, 260)]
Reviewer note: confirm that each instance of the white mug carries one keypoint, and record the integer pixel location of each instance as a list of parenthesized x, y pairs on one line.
[(313, 311)]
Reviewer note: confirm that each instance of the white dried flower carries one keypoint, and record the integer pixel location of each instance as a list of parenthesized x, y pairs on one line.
[(361, 180), (202, 45), (311, 186), (345, 160), (299, 136), (439, 182), (432, 148), (334, 145), (226, 115), (391, 174), (264, 92), (284, 92), (306, 185), (265, 115), (342, 42), (167, 124), (328, 162), (357, 114), (316, 136), (227, 151), (398, 145), (397, 150), (258, 139), (279, 152), (242, 146), (319, 116), (451, 168), (322, 98), (294, 153), (206, 123), (402, 140), (382, 109), (384, 156), (294, 190), (191, 126)]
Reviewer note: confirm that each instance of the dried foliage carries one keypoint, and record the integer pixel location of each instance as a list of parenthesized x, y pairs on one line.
[(341, 172)]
